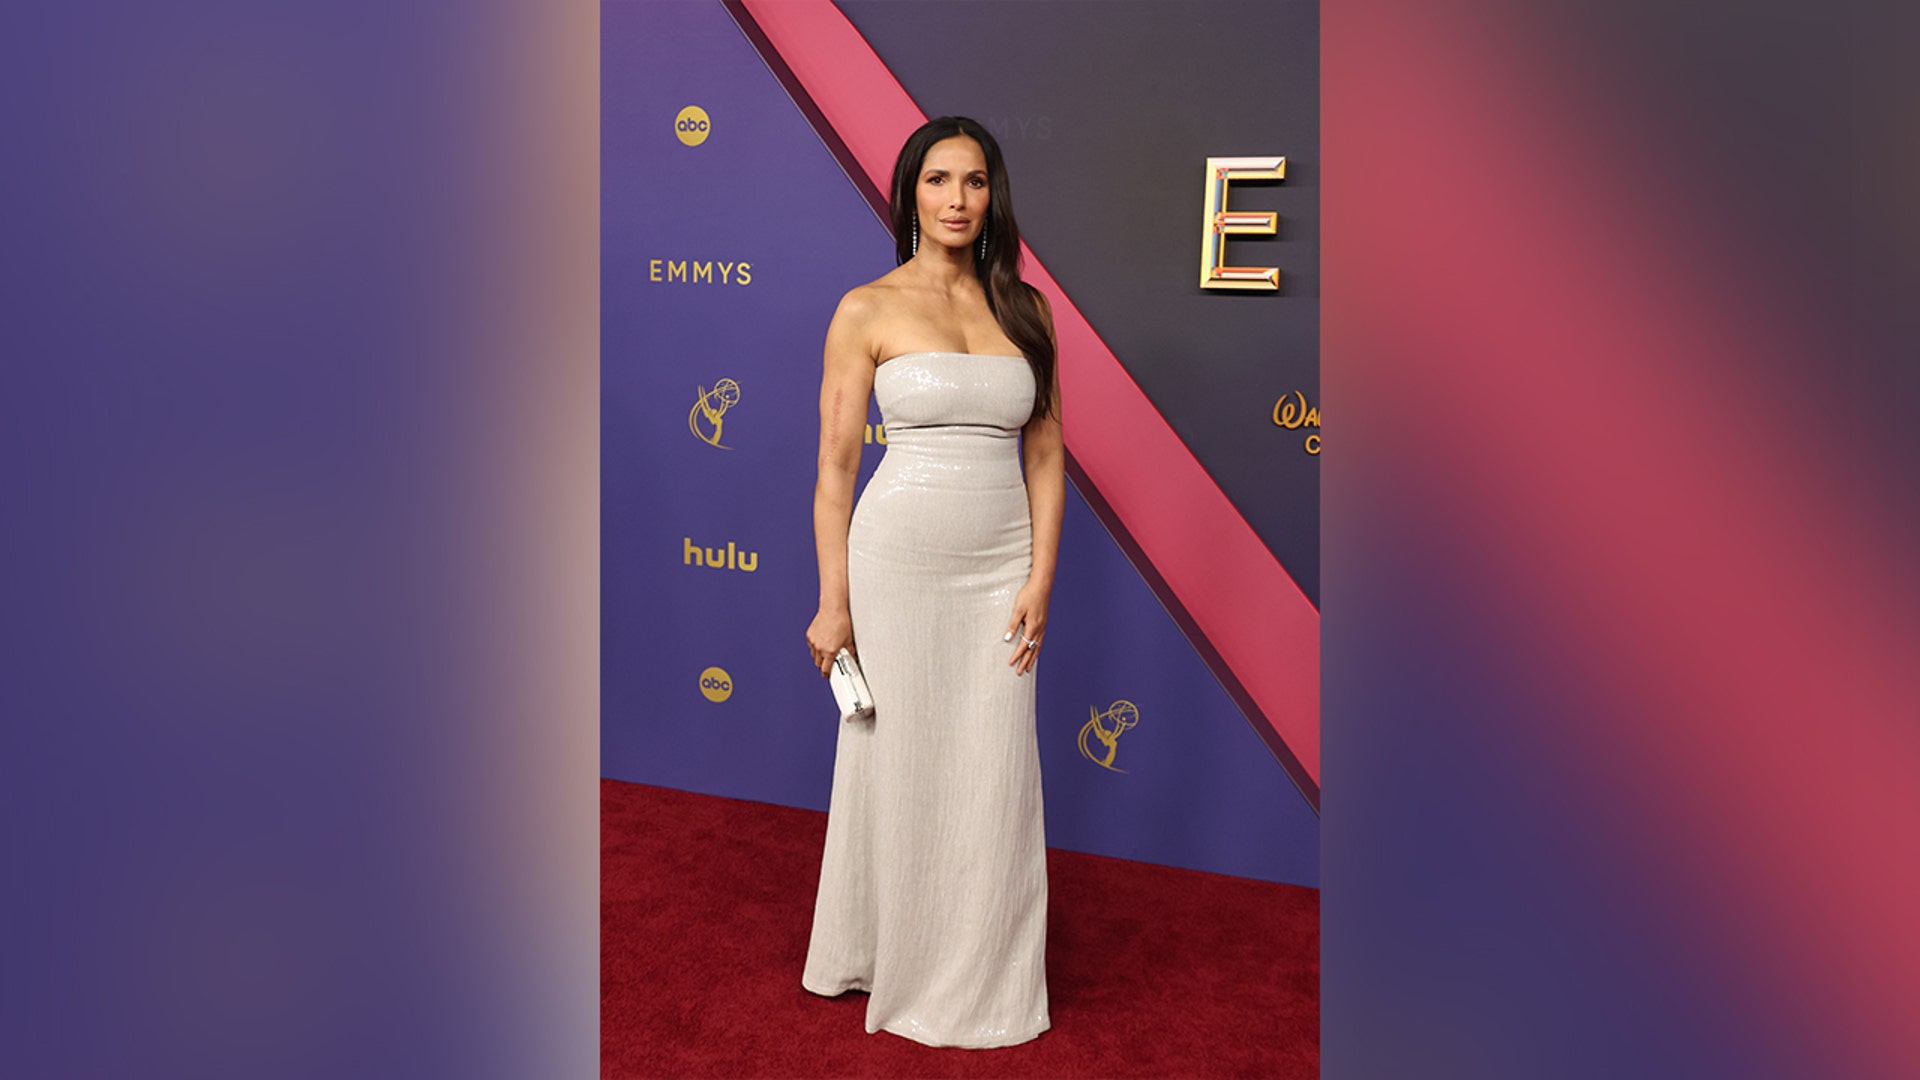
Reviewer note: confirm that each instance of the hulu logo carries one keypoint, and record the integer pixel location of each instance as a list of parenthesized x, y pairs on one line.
[(727, 558)]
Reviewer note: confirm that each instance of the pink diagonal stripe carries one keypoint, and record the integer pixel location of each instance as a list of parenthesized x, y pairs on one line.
[(1243, 600)]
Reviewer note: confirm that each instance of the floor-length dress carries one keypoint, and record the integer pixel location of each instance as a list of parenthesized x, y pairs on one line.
[(933, 883)]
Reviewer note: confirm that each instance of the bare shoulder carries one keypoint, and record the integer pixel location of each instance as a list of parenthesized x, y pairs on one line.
[(873, 301), (857, 320), (859, 305), (865, 310)]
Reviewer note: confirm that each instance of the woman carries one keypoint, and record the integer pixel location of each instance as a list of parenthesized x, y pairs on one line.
[(933, 884)]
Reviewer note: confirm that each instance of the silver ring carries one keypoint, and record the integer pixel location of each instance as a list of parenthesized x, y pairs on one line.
[(1031, 644)]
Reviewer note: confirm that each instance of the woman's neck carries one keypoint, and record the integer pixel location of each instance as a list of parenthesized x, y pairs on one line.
[(947, 269)]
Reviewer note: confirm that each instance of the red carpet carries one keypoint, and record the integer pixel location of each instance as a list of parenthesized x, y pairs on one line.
[(705, 905)]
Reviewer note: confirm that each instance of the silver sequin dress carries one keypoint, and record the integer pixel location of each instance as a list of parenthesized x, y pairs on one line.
[(933, 884)]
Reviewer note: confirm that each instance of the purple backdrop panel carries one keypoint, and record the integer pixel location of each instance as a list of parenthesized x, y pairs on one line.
[(781, 234), (1199, 788)]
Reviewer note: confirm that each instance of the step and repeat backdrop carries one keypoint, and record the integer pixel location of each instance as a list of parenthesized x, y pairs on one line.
[(733, 223)]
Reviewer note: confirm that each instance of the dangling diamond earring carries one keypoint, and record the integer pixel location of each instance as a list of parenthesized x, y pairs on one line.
[(983, 243), (916, 236)]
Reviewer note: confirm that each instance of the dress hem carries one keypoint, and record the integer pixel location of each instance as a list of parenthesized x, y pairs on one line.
[(1013, 1040), (851, 985)]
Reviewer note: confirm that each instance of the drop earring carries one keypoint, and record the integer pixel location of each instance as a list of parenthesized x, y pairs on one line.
[(916, 237), (983, 244)]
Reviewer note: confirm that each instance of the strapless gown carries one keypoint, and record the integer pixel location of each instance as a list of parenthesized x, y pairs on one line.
[(933, 883)]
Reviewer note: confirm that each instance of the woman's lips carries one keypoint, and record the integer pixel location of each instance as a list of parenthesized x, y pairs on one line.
[(955, 223)]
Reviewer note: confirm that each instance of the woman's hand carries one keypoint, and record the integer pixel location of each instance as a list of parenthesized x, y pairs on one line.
[(830, 632), (1028, 624)]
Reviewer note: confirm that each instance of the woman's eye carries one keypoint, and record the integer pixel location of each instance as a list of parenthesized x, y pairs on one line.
[(978, 182)]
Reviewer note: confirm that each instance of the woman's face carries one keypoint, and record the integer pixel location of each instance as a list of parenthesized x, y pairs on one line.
[(952, 192)]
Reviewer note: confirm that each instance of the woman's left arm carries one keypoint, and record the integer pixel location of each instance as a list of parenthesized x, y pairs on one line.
[(1046, 469)]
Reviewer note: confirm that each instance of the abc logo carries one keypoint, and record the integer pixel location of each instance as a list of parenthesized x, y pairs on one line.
[(716, 684), (692, 125)]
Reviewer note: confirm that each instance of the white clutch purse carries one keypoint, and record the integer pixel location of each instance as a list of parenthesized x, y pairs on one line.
[(850, 687)]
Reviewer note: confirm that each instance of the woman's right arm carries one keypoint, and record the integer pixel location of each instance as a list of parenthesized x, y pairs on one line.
[(844, 387)]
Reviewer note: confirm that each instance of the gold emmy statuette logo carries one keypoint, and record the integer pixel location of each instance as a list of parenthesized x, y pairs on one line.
[(692, 125), (1107, 727), (1220, 222), (716, 684), (1293, 413), (704, 419)]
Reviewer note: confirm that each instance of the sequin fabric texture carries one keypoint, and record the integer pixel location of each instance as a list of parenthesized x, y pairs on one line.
[(933, 883)]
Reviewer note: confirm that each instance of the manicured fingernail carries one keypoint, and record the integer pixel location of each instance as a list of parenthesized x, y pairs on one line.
[(1009, 636)]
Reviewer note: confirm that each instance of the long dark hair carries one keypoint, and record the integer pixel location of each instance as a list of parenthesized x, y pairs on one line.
[(1014, 303)]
